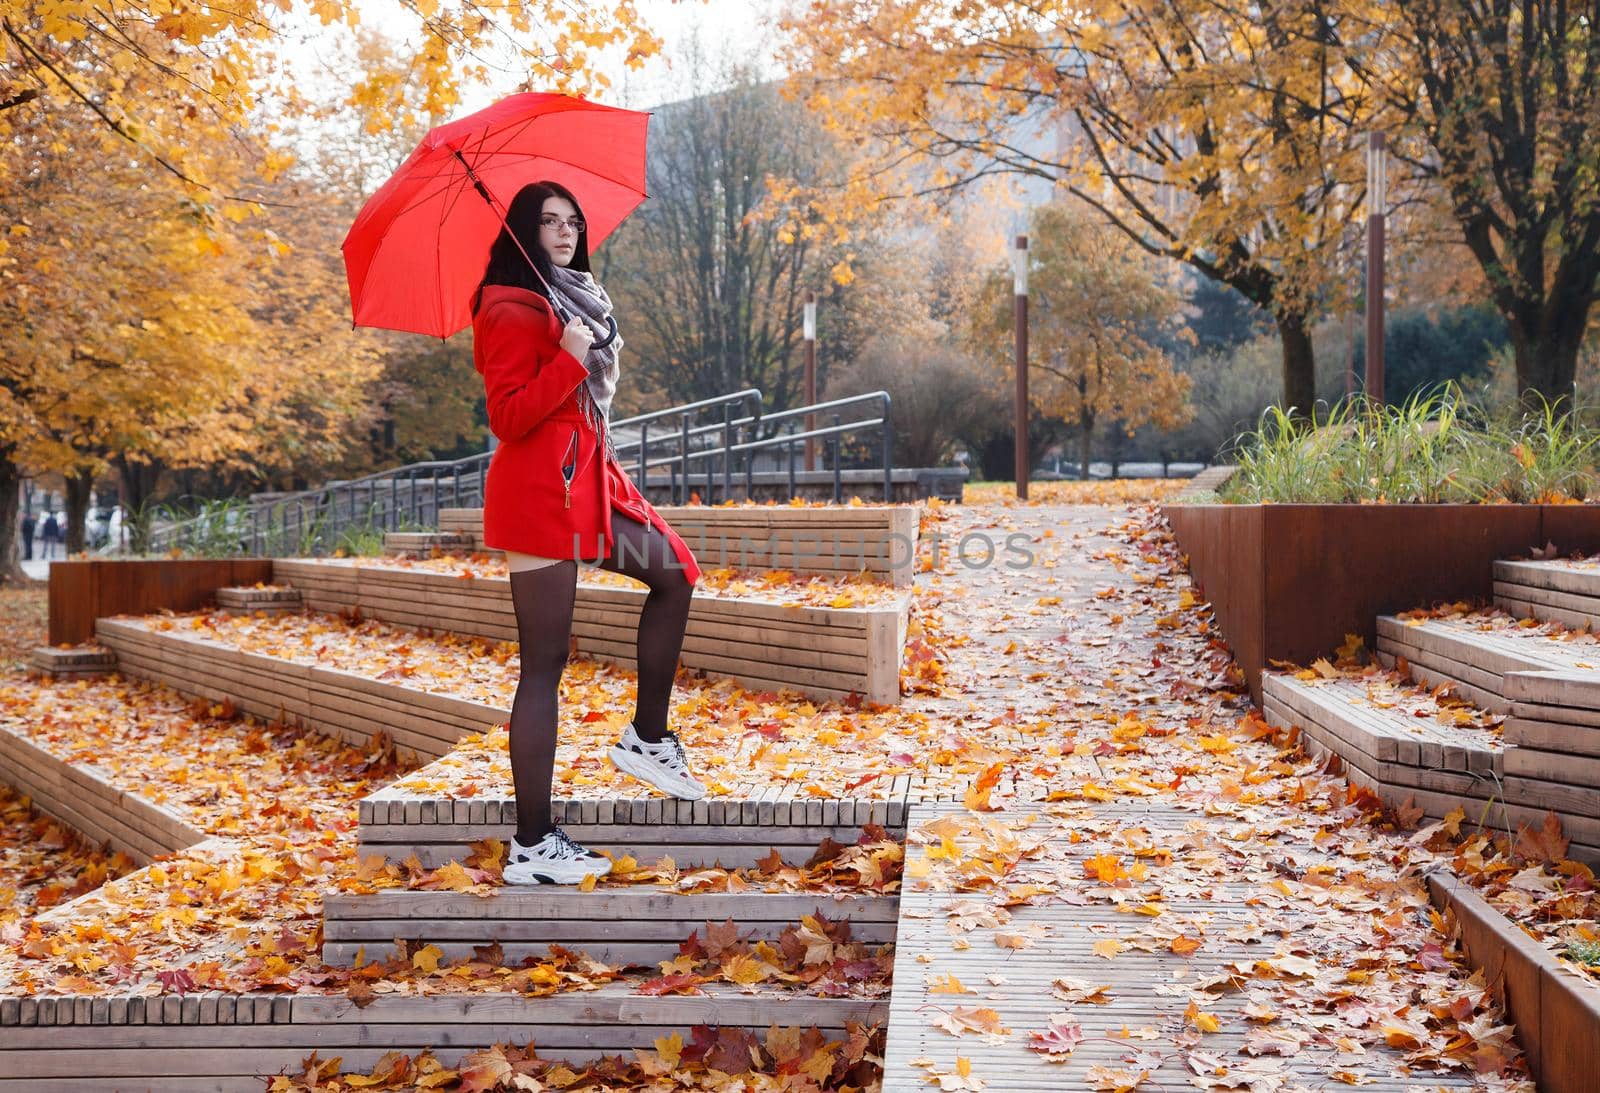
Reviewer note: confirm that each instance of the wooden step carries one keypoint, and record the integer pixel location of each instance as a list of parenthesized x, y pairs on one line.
[(72, 662), (822, 652), (85, 799), (1504, 783), (173, 1043), (1449, 650), (1559, 590), (737, 832), (624, 925), (1394, 752), (426, 544), (829, 540), (272, 600), (328, 700)]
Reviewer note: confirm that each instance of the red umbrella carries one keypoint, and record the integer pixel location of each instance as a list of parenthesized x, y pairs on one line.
[(419, 245)]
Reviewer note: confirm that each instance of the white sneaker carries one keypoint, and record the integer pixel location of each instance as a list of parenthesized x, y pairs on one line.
[(554, 859), (662, 764)]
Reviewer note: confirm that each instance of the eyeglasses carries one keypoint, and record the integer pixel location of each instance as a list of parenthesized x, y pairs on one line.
[(555, 223)]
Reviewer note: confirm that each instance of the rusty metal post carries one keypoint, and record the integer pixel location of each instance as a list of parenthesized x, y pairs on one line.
[(1377, 187), (810, 332), (1019, 274)]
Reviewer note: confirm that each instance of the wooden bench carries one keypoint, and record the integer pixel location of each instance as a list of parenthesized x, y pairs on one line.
[(821, 652), (177, 1044), (75, 662), (84, 798), (1446, 651), (637, 925), (834, 540), (331, 701), (737, 831), (1394, 753), (1547, 761), (1554, 591)]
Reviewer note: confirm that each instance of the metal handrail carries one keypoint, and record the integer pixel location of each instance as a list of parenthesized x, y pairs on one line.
[(336, 502), (730, 450), (412, 495)]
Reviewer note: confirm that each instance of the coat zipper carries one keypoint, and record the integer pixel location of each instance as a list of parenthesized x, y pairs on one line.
[(569, 469)]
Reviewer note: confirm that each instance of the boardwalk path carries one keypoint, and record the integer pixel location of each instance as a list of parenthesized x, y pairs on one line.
[(1193, 910)]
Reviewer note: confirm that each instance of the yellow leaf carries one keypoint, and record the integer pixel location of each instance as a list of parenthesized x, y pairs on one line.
[(426, 959)]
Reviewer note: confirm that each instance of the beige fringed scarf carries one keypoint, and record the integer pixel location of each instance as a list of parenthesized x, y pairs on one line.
[(578, 293)]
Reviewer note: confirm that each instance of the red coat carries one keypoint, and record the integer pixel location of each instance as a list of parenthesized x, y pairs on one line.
[(531, 385)]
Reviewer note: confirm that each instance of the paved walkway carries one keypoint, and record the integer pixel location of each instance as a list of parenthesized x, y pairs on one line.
[(1167, 899)]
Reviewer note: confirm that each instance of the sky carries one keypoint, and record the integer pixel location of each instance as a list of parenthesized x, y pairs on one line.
[(739, 23)]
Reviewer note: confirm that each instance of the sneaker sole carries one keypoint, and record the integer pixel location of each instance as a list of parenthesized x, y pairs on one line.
[(547, 874), (641, 769)]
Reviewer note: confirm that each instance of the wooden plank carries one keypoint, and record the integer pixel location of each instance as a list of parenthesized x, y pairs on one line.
[(1141, 983), (1564, 737), (685, 855), (607, 951), (566, 904)]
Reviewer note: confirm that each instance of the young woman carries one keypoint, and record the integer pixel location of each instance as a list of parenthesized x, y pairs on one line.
[(556, 494)]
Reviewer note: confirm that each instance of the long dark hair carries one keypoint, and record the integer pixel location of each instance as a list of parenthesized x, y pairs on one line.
[(507, 265)]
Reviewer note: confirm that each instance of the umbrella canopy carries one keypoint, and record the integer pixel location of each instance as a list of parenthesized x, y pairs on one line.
[(417, 249)]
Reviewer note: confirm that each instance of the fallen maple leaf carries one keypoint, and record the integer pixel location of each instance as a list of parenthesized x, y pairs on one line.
[(1058, 1038)]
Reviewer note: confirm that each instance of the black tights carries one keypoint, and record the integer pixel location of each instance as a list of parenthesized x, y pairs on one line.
[(543, 599)]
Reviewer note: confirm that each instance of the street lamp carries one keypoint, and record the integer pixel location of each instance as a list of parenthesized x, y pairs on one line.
[(1019, 279), (810, 334), (1377, 194)]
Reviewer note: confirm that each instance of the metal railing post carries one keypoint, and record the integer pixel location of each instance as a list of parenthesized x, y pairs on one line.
[(683, 455), (727, 453), (888, 447), (837, 492)]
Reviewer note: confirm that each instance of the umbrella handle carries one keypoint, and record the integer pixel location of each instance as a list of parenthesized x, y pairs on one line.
[(610, 337)]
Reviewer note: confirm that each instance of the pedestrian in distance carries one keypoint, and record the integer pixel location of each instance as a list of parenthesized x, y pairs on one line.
[(51, 533), (555, 494)]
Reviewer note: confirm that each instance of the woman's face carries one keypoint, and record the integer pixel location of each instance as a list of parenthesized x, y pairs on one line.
[(556, 235)]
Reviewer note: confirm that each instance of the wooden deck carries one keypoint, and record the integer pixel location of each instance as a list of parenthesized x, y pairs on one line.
[(1400, 756), (1144, 992)]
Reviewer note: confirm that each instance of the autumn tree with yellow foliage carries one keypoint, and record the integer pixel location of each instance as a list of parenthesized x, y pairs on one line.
[(1099, 308), (1199, 130), (215, 61)]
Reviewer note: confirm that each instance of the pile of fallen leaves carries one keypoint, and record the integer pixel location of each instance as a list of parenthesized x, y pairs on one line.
[(781, 586), (25, 613), (1523, 873), (1114, 491), (225, 773), (778, 1060), (43, 863)]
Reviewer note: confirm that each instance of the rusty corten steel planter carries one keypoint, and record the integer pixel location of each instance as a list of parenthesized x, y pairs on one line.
[(1288, 582), (84, 590)]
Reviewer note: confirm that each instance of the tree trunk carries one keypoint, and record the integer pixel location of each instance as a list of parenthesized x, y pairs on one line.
[(138, 485), (1299, 365), (80, 488), (11, 572), (1085, 442), (1547, 347)]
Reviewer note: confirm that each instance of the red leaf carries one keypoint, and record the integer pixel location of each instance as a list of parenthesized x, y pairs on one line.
[(680, 983)]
